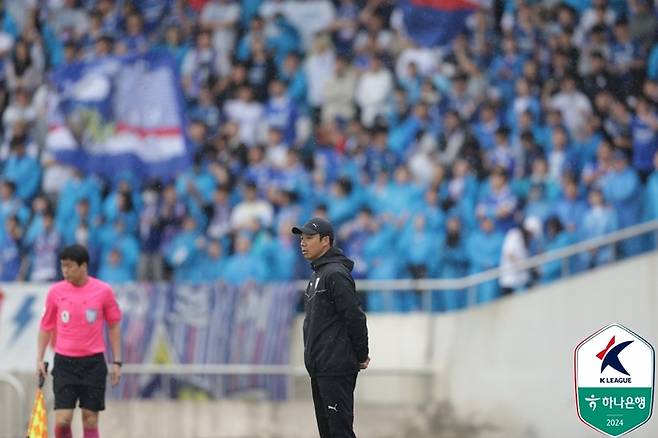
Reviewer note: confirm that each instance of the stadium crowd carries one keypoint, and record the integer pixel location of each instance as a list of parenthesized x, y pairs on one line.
[(535, 128)]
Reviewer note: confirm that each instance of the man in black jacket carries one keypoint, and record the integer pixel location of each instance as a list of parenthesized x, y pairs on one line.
[(335, 331)]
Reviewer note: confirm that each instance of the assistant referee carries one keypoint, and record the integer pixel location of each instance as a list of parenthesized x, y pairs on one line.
[(77, 310)]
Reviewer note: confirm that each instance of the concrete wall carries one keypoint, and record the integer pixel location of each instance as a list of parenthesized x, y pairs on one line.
[(502, 370), (510, 365)]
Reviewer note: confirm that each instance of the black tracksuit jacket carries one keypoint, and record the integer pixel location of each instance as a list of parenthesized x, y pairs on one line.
[(335, 331)]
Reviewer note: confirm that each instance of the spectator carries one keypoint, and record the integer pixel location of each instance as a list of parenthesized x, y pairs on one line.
[(248, 114), (173, 44), (498, 201), (24, 171), (260, 69), (518, 245), (201, 65), (310, 18), (12, 266), (642, 22), (644, 128), (537, 205), (626, 57), (598, 78), (25, 68), (113, 270), (44, 251), (244, 265), (40, 205), (584, 146), (284, 37), (69, 21), (570, 209), (487, 126), (505, 67), (573, 105), (11, 205), (341, 203), (151, 229), (418, 247), (345, 26), (652, 63), (115, 235), (195, 187), (318, 69), (172, 210), (562, 156), (103, 47), (219, 224), (134, 39), (455, 264), (623, 191), (501, 155), (453, 139), (205, 111), (251, 207), (339, 92), (280, 112), (226, 88), (524, 100), (373, 89), (19, 111), (483, 248), (600, 219), (556, 238), (295, 78), (540, 175), (77, 187), (287, 264), (221, 16), (596, 171), (185, 251), (597, 14), (383, 263), (213, 262)]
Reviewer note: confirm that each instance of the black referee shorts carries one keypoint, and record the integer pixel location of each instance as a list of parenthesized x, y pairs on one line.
[(80, 379)]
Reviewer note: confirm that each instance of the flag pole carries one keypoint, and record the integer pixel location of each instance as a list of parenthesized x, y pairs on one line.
[(38, 409)]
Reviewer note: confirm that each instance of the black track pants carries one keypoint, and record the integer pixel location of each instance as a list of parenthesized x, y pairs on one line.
[(333, 398)]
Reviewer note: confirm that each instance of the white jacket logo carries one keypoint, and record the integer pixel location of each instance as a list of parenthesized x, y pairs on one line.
[(310, 295)]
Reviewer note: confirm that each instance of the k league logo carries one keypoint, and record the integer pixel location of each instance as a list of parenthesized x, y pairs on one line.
[(614, 375)]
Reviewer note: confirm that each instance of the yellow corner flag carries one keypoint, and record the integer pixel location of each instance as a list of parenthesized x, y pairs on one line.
[(38, 427)]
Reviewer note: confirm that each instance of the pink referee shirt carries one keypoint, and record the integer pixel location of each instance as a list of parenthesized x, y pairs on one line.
[(78, 314)]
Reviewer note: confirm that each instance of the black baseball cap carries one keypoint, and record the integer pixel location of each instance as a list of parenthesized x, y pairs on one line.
[(317, 225)]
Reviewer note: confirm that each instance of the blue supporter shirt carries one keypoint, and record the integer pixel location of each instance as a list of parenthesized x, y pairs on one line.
[(645, 144), (25, 172)]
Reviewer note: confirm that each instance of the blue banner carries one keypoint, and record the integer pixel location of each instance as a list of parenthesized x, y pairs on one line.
[(435, 22), (206, 324), (119, 114)]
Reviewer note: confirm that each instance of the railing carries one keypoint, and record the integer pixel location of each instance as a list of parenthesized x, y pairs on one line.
[(290, 371), (466, 283), (248, 369), (19, 390)]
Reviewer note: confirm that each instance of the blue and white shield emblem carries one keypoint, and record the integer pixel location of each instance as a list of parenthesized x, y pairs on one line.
[(91, 314)]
